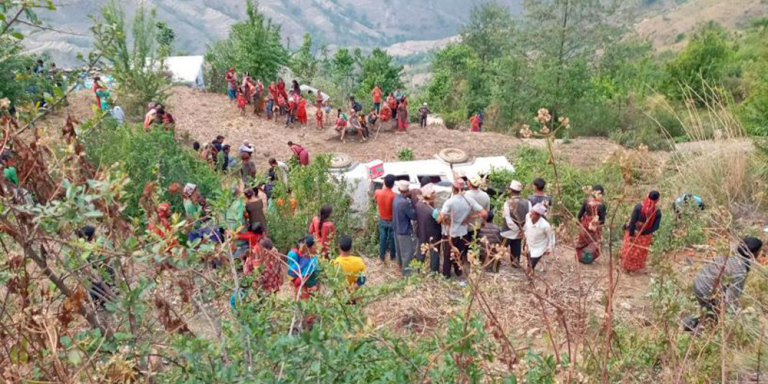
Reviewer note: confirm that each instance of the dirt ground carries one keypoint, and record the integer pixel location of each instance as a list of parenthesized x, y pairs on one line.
[(204, 115)]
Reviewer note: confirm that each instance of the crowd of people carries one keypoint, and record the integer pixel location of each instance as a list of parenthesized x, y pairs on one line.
[(412, 225), (277, 101)]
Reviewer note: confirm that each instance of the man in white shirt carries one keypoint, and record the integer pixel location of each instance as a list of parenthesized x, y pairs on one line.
[(456, 213), (515, 210), (538, 235), (279, 170)]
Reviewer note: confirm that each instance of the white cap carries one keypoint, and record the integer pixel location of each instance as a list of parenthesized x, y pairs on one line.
[(516, 186), (403, 185)]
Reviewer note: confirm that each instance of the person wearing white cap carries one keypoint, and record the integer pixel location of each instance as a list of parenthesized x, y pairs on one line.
[(538, 235), (424, 110), (403, 213), (456, 213), (482, 198), (514, 212), (191, 208)]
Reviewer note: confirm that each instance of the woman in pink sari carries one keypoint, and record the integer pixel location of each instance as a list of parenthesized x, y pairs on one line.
[(299, 153)]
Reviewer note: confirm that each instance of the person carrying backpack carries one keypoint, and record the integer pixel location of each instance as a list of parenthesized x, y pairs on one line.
[(514, 211), (355, 104)]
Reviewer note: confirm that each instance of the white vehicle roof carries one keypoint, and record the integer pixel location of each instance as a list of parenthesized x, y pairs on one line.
[(187, 70), (361, 186)]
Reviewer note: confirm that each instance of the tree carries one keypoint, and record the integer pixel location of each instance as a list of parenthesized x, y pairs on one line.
[(165, 37), (703, 63), (253, 46), (457, 87), (489, 32), (136, 58), (342, 66), (564, 37), (304, 64), (378, 69)]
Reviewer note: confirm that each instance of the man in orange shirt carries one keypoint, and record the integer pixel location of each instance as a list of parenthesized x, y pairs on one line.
[(376, 94), (384, 198)]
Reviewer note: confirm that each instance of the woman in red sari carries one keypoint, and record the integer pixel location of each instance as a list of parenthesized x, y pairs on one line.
[(638, 236), (281, 88), (402, 118), (323, 229), (392, 103), (474, 121), (301, 154), (591, 219), (301, 114)]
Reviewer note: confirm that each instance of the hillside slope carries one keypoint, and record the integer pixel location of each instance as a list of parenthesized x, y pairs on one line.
[(364, 23), (670, 25)]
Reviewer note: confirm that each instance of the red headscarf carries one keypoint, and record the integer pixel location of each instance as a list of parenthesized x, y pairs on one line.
[(648, 209)]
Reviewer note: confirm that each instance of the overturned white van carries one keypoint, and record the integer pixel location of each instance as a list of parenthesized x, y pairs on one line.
[(441, 170)]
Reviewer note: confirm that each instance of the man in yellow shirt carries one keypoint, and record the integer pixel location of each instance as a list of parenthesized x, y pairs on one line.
[(352, 266)]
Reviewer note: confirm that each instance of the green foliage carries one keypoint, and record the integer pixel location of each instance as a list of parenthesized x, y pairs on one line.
[(379, 69), (405, 154), (494, 70), (312, 188), (702, 64), (304, 64), (753, 52), (18, 83), (253, 46), (488, 31), (165, 37), (136, 58), (531, 163), (341, 71), (153, 156)]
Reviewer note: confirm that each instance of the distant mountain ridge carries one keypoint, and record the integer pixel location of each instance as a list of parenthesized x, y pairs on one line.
[(404, 26), (354, 23)]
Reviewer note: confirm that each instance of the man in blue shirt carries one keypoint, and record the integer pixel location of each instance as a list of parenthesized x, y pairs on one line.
[(403, 213)]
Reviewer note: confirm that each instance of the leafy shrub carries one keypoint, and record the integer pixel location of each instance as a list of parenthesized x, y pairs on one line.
[(311, 188), (405, 154), (531, 163), (153, 156), (646, 135)]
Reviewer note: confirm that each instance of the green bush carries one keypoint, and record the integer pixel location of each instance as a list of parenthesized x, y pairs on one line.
[(405, 154), (311, 187), (531, 163), (646, 135), (153, 156)]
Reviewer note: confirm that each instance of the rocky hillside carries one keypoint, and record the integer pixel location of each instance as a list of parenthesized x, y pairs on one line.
[(406, 26), (364, 23)]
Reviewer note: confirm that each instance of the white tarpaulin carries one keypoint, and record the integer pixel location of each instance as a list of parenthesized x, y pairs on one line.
[(307, 88), (187, 70)]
